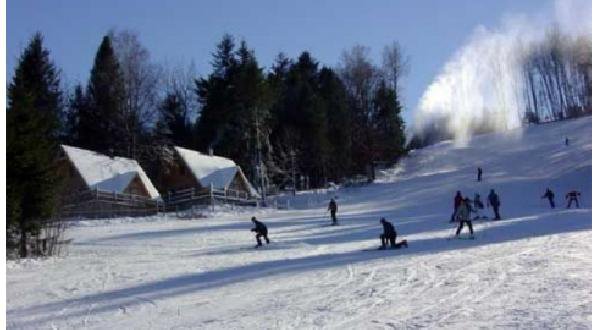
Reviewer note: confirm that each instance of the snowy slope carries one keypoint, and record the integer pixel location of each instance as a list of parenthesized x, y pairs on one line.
[(530, 270), (106, 173)]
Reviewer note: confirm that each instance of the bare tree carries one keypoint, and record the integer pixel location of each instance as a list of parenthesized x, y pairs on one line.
[(394, 64), (141, 80)]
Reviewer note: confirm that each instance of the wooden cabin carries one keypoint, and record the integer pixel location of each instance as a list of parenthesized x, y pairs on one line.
[(189, 170), (96, 185)]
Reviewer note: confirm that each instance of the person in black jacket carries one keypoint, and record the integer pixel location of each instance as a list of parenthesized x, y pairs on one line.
[(572, 196), (333, 208), (494, 200), (261, 230), (389, 234), (550, 195)]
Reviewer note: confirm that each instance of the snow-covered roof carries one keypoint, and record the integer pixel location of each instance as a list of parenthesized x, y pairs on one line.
[(106, 173), (217, 170)]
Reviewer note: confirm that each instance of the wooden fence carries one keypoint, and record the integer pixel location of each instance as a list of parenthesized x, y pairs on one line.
[(185, 198), (99, 203)]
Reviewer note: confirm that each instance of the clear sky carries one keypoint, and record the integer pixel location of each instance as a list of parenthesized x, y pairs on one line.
[(185, 31)]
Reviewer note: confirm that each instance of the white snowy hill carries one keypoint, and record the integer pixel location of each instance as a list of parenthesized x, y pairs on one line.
[(533, 269)]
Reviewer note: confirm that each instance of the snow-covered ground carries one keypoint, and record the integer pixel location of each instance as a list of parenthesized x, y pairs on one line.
[(531, 270)]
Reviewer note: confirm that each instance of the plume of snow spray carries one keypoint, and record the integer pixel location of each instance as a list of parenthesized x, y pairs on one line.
[(482, 84)]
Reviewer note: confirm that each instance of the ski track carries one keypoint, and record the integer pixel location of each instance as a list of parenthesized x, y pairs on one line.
[(530, 270)]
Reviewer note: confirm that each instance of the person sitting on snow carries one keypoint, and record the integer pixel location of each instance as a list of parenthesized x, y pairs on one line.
[(463, 216), (261, 230), (572, 196), (389, 236), (550, 195)]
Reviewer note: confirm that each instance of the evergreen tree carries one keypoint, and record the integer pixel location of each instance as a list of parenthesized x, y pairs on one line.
[(34, 102), (233, 100), (102, 126), (388, 126), (335, 100), (172, 126)]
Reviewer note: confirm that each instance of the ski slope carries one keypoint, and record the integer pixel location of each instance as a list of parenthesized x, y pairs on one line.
[(533, 269)]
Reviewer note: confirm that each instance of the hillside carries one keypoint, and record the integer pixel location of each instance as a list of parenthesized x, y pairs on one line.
[(163, 272)]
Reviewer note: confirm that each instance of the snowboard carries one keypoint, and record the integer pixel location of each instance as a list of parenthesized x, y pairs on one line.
[(399, 245), (461, 237)]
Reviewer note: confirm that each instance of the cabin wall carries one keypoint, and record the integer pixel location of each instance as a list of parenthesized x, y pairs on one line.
[(177, 176), (136, 187), (238, 183), (72, 182)]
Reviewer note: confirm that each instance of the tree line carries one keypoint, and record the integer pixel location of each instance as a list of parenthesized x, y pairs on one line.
[(296, 119)]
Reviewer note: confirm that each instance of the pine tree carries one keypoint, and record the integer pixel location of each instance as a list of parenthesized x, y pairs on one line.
[(103, 125), (388, 127), (34, 104), (173, 126)]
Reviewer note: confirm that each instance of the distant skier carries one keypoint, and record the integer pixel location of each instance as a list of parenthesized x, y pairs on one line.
[(463, 216), (389, 236), (457, 199), (477, 203), (261, 230), (572, 196), (479, 174), (566, 141), (494, 200), (333, 209), (550, 195)]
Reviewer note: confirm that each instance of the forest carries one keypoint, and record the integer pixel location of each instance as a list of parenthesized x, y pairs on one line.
[(297, 123)]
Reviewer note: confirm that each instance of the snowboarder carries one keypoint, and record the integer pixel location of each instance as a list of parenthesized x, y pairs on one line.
[(457, 200), (572, 196), (261, 230), (494, 200), (479, 173), (333, 208), (463, 216), (550, 195), (389, 236)]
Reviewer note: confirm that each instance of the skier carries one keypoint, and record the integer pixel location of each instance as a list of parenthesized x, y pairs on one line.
[(494, 200), (479, 173), (572, 196), (457, 200), (566, 141), (261, 230), (463, 216), (550, 195), (389, 236), (475, 207), (477, 203), (333, 208)]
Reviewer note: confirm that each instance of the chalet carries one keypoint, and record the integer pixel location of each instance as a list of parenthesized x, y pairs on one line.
[(198, 173), (97, 185)]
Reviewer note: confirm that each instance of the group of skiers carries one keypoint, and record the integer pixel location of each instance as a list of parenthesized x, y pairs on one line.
[(463, 209), (570, 197)]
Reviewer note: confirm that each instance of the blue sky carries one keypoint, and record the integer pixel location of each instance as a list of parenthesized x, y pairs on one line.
[(184, 31)]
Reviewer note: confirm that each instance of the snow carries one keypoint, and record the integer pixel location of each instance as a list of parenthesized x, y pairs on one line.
[(215, 170), (533, 269), (106, 173)]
